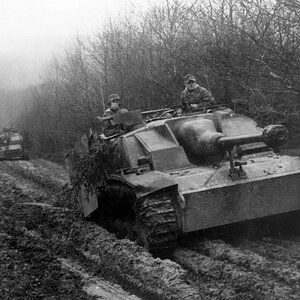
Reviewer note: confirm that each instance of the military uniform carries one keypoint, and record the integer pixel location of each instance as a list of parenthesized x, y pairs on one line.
[(109, 127), (199, 95)]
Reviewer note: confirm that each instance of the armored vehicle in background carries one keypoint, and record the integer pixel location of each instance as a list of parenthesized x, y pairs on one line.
[(175, 174), (11, 146)]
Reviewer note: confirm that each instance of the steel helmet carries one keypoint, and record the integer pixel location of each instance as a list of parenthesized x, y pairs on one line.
[(188, 78), (113, 97)]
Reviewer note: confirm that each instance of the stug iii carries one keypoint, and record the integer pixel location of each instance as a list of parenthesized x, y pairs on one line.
[(11, 146), (172, 175)]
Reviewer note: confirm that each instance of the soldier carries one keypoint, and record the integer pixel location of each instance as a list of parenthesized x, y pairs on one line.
[(109, 127), (195, 96)]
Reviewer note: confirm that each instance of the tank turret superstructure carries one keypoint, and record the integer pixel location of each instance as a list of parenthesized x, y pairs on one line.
[(11, 145), (178, 174)]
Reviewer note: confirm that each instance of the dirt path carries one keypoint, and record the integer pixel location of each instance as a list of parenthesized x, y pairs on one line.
[(48, 251), (30, 267)]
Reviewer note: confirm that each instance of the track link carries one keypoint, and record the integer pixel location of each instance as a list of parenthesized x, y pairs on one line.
[(157, 222)]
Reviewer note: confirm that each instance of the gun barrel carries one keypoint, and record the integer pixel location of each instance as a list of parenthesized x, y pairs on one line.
[(227, 142), (273, 136)]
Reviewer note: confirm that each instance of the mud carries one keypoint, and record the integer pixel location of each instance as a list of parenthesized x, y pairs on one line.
[(47, 250), (94, 286), (44, 173), (245, 273), (64, 234), (122, 260), (30, 270)]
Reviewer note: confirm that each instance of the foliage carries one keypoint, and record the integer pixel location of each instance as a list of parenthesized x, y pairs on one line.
[(91, 167), (247, 50)]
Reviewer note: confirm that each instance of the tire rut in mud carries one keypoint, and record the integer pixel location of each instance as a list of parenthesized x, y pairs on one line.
[(123, 261), (46, 174), (128, 263), (262, 266), (230, 272), (247, 260), (28, 269)]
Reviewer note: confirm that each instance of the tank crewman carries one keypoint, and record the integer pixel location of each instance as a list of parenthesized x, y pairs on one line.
[(109, 127), (194, 95)]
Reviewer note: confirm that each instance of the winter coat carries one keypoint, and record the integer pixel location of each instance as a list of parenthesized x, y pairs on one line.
[(199, 95)]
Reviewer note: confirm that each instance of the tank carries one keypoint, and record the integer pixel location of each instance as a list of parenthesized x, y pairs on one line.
[(170, 175), (11, 146)]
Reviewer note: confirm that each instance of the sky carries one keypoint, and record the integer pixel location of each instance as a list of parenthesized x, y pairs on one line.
[(32, 31)]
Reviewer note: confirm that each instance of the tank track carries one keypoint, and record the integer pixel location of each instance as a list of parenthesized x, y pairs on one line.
[(157, 222)]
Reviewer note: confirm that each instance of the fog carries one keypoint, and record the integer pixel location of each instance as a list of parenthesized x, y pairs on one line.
[(26, 64), (32, 32)]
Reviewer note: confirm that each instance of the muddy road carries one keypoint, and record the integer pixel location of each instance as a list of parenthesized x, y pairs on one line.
[(49, 252)]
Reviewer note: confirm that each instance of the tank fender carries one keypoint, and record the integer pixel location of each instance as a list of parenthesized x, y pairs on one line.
[(148, 182), (87, 201)]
